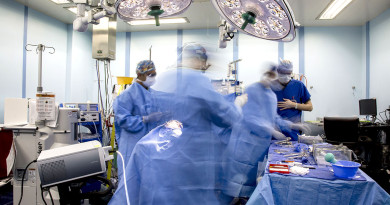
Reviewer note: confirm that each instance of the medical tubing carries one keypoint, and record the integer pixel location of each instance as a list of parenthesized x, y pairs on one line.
[(124, 178), (24, 174)]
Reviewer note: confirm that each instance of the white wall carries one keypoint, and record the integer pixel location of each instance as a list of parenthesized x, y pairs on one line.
[(380, 60), (118, 66), (254, 53), (164, 49), (11, 40), (49, 32), (291, 52), (332, 66), (79, 82), (83, 82)]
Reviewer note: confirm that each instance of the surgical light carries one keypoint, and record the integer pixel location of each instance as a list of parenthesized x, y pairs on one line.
[(266, 19), (130, 10), (333, 9), (162, 21)]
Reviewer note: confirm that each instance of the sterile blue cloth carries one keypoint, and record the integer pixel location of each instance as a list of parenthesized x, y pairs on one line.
[(280, 190), (129, 107), (184, 169), (295, 91), (249, 141)]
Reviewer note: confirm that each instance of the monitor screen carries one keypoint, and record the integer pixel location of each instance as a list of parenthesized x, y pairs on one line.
[(83, 107), (93, 107), (367, 107)]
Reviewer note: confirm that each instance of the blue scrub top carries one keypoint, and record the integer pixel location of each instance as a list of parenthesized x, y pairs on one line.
[(129, 107), (295, 91)]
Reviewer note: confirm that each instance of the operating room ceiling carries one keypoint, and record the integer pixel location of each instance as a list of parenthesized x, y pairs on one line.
[(202, 14)]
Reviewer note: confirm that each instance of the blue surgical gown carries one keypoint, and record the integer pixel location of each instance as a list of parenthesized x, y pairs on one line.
[(188, 170), (297, 92), (249, 141), (129, 107)]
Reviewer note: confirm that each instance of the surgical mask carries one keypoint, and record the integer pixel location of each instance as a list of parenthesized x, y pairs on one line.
[(149, 81), (284, 78)]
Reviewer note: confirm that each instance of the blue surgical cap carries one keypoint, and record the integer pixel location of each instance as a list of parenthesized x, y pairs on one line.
[(195, 50), (145, 66), (285, 67)]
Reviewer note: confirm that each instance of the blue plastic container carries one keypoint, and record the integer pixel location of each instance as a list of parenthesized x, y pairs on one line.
[(345, 169)]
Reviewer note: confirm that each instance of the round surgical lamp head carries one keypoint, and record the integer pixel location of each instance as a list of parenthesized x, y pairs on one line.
[(130, 10), (266, 19)]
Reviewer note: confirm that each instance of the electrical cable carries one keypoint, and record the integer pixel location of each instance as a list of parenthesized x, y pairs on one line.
[(99, 90), (106, 86), (100, 98), (124, 177), (96, 130), (92, 194), (43, 198), (24, 174), (51, 197), (381, 116)]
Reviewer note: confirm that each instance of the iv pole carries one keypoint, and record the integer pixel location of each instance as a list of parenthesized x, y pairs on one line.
[(40, 48)]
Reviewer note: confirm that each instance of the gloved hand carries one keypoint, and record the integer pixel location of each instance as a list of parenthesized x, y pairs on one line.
[(241, 100), (302, 127), (152, 117), (278, 135)]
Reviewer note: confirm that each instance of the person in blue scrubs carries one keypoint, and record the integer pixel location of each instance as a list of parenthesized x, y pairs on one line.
[(293, 98), (250, 139), (168, 166), (135, 113)]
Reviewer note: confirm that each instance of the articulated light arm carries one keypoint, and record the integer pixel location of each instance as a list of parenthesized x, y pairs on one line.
[(226, 33), (81, 22)]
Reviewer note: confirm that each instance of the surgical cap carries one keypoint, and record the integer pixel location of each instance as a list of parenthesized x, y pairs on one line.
[(194, 50), (145, 66), (285, 67)]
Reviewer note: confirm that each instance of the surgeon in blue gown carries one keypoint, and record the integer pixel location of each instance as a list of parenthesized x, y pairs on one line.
[(185, 169), (135, 113), (250, 139), (293, 98)]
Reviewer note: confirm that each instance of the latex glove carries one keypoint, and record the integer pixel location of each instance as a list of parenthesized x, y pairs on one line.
[(302, 127), (278, 135), (241, 100), (152, 117)]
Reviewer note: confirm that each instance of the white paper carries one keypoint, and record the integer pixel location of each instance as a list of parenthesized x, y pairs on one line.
[(15, 111), (11, 158), (46, 106)]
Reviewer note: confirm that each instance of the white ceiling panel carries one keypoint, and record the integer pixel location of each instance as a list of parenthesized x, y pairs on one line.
[(202, 14)]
